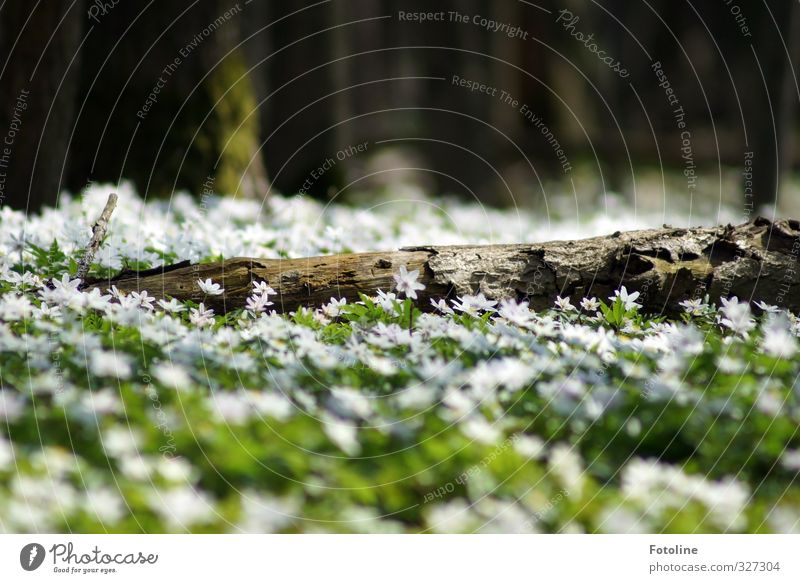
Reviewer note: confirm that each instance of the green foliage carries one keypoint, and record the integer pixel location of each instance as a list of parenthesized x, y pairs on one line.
[(379, 417)]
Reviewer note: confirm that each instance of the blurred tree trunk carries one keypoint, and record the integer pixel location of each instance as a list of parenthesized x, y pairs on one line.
[(39, 53), (166, 101), (770, 112), (789, 97), (301, 104)]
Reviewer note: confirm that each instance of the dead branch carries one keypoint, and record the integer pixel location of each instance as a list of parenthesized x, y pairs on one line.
[(98, 233), (755, 261)]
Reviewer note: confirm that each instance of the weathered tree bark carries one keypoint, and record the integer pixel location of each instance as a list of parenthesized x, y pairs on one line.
[(756, 261)]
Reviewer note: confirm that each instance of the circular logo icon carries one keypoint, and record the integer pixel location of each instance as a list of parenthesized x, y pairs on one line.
[(31, 556)]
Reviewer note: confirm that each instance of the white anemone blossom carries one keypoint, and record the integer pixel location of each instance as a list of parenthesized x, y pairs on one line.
[(628, 299), (406, 282), (210, 288)]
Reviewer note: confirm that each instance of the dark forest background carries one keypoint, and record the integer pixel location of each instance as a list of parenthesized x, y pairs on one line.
[(256, 96)]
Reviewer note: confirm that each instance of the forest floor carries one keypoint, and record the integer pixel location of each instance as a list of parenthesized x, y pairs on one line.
[(120, 413)]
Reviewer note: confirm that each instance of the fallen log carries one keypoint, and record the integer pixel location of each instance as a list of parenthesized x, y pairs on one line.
[(756, 261)]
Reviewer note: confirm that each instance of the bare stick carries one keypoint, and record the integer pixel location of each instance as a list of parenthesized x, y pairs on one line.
[(98, 232)]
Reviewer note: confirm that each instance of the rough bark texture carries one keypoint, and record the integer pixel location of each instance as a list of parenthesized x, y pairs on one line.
[(754, 261)]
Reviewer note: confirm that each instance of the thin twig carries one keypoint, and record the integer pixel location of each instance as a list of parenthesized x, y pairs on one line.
[(98, 232)]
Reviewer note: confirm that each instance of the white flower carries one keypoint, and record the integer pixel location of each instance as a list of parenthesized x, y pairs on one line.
[(737, 318), (529, 446), (693, 307), (349, 403), (142, 300), (66, 285), (566, 465), (14, 307), (6, 453), (183, 507), (261, 287), (46, 311), (94, 300), (258, 303), (768, 308), (518, 313), (334, 308), (603, 341), (656, 487), (231, 408), (450, 517), (26, 279), (135, 467), (406, 282), (264, 514), (172, 375), (778, 339), (441, 306), (478, 428), (173, 306), (473, 305), (110, 364), (732, 301), (590, 304), (791, 460), (12, 406), (102, 403), (565, 305), (342, 433), (106, 504), (65, 291), (271, 403), (210, 288), (201, 316), (121, 442), (387, 301), (175, 469), (628, 300), (685, 340)]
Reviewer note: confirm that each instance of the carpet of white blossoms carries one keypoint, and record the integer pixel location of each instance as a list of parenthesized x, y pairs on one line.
[(119, 413)]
